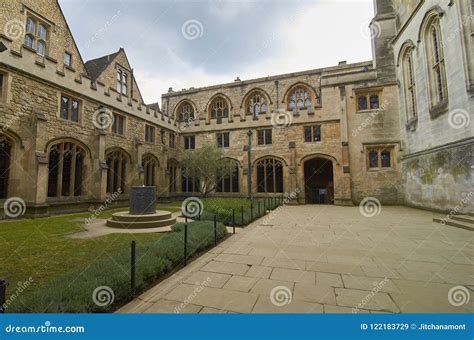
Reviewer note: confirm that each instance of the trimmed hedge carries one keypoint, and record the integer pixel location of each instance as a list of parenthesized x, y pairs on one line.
[(73, 291)]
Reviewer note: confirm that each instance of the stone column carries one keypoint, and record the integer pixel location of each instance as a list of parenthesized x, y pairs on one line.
[(40, 161), (292, 172), (99, 167), (137, 168), (344, 182)]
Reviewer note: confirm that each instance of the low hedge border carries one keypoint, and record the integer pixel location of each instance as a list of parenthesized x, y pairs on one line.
[(73, 291)]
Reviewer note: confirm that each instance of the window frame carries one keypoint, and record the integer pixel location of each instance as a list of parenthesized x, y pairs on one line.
[(150, 133), (70, 59), (115, 125), (189, 142), (264, 137), (409, 83), (224, 140), (36, 37), (379, 150), (69, 112), (122, 82), (312, 130), (368, 96), (436, 63)]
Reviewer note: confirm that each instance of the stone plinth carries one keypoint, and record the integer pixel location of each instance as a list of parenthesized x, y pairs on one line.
[(142, 200)]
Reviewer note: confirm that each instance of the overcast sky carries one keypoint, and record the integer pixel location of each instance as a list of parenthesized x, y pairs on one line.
[(191, 43)]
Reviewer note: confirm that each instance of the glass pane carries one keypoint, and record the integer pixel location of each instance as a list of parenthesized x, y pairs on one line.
[(307, 134), (41, 48), (317, 133), (29, 41), (268, 136), (42, 32), (362, 103), (374, 102), (260, 177), (219, 140), (385, 157), (226, 140), (75, 111), (30, 26), (67, 59), (308, 104), (64, 107), (270, 173), (235, 179), (373, 159), (260, 137)]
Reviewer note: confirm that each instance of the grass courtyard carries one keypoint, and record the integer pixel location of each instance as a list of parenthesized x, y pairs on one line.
[(40, 249)]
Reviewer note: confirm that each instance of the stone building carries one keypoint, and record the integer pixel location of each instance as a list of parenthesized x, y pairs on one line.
[(74, 131), (434, 54)]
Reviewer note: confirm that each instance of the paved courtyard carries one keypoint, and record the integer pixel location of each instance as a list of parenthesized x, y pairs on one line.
[(326, 259)]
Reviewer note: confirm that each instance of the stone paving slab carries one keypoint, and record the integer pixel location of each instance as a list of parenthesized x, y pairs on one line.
[(215, 298), (315, 293), (327, 259)]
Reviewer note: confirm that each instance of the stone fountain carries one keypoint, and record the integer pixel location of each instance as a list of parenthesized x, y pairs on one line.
[(142, 213)]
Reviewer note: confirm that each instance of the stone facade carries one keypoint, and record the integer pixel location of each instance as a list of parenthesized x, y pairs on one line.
[(347, 163), (438, 147)]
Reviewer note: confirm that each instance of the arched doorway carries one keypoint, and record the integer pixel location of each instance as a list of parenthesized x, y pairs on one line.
[(319, 181)]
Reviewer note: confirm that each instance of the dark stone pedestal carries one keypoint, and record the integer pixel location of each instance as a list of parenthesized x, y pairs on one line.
[(142, 200)]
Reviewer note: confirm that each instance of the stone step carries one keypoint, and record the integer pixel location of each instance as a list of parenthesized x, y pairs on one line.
[(126, 217), (142, 224), (455, 223), (464, 218)]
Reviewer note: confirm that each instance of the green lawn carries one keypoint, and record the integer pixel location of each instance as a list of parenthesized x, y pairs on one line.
[(39, 248)]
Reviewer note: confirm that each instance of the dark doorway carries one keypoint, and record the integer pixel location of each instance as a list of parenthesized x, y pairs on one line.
[(319, 181)]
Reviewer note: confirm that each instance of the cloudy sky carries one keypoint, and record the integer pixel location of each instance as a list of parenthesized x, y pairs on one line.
[(194, 43)]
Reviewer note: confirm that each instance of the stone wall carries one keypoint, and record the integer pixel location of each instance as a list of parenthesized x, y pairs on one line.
[(437, 149)]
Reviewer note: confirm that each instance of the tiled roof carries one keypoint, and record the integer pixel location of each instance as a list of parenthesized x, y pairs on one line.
[(95, 67)]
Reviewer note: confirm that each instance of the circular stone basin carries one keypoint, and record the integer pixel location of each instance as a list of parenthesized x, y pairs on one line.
[(160, 218)]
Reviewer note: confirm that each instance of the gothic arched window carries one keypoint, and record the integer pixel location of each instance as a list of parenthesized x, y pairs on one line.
[(150, 167), (65, 170), (299, 99), (185, 113), (219, 109), (116, 172), (409, 84), (256, 104), (230, 182), (269, 176), (436, 63)]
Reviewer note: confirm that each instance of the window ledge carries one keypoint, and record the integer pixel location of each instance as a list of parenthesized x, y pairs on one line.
[(439, 109), (412, 124), (367, 111)]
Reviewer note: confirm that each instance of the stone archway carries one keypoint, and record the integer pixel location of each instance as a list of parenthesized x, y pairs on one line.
[(319, 181)]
